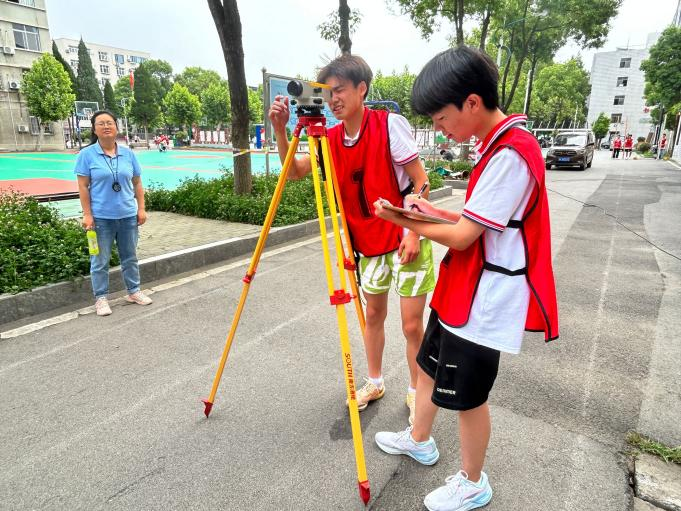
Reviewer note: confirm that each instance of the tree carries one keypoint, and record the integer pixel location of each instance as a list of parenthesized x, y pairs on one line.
[(333, 27), (183, 108), (110, 99), (48, 92), (215, 105), (197, 79), (427, 15), (663, 75), (65, 65), (255, 107), (397, 87), (145, 109), (600, 127), (162, 75), (122, 91), (228, 24), (561, 91), (87, 88)]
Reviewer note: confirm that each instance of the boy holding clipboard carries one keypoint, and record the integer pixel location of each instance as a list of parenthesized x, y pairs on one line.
[(495, 281)]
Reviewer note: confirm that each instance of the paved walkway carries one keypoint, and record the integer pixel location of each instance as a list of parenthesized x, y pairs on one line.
[(168, 232)]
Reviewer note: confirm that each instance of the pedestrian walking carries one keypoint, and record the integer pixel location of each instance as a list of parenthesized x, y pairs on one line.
[(112, 198), (662, 146), (628, 146)]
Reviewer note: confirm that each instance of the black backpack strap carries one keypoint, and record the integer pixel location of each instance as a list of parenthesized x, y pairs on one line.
[(505, 271)]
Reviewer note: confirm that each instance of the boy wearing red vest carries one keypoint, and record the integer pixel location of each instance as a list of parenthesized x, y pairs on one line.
[(375, 155), (496, 280)]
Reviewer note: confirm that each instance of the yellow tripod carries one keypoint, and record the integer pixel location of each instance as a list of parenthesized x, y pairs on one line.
[(314, 125)]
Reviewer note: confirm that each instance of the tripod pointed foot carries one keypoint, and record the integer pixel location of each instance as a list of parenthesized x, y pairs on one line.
[(208, 407), (364, 491)]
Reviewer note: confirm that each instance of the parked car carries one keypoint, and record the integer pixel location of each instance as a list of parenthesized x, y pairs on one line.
[(571, 150)]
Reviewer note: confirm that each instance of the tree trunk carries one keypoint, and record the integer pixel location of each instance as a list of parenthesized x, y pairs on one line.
[(40, 135), (530, 85), (458, 21), (344, 41), (228, 24), (484, 27), (146, 137)]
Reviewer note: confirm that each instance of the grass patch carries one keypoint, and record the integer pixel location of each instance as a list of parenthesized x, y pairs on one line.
[(645, 444)]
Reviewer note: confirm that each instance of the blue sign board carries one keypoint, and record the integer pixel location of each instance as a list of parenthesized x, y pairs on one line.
[(278, 86)]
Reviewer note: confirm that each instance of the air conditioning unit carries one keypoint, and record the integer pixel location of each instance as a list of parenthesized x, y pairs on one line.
[(14, 85), (8, 50), (22, 128)]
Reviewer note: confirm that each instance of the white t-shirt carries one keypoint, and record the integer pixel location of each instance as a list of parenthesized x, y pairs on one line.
[(499, 310), (402, 146)]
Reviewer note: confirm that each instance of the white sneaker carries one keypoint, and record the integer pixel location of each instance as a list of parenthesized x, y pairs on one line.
[(460, 494), (401, 442), (102, 306), (139, 298)]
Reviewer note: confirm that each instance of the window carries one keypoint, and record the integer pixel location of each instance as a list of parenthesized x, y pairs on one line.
[(120, 59), (615, 118), (120, 72), (103, 81), (103, 56), (625, 62), (48, 128), (35, 125), (72, 49), (26, 37), (27, 3), (619, 100), (104, 69), (622, 81), (74, 64), (136, 60)]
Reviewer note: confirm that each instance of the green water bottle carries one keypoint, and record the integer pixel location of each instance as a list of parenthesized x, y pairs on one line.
[(92, 242)]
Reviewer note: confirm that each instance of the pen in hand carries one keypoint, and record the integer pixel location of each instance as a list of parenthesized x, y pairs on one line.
[(418, 195)]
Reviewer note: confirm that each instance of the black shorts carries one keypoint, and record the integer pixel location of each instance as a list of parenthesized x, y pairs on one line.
[(464, 372)]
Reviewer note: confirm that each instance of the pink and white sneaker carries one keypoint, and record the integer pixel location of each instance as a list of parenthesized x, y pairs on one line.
[(139, 298), (102, 306)]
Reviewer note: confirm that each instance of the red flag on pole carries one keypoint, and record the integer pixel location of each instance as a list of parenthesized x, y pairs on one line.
[(132, 80)]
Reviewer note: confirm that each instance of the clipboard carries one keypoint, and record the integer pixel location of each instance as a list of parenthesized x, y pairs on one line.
[(416, 215)]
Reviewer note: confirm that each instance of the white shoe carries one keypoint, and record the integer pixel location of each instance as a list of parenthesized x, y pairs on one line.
[(139, 298), (102, 307), (401, 442), (460, 494)]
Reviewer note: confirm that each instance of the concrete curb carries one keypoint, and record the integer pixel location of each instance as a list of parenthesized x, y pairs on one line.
[(54, 296)]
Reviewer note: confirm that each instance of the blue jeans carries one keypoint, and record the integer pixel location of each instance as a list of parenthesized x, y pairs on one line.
[(125, 232)]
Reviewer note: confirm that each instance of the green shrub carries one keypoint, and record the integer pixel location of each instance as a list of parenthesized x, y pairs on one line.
[(37, 246), (436, 180), (215, 199), (643, 147)]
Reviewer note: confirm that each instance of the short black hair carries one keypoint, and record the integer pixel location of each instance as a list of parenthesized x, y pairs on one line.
[(347, 67), (453, 75)]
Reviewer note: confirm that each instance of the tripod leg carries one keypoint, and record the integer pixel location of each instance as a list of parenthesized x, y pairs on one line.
[(267, 224), (349, 262), (339, 297)]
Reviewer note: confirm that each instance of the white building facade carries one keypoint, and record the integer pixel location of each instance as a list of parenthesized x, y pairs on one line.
[(24, 37), (110, 63), (617, 89)]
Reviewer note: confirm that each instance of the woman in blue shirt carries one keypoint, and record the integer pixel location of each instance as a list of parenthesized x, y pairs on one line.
[(112, 197)]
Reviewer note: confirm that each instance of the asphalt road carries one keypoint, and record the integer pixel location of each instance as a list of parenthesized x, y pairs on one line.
[(104, 413)]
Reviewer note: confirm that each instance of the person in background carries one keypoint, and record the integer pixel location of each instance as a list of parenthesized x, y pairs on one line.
[(616, 147), (112, 198), (628, 146), (662, 146)]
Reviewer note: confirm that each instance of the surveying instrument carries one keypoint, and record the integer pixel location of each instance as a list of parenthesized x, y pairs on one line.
[(309, 98)]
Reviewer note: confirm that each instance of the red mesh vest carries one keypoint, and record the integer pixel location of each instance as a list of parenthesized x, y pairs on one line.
[(365, 172), (460, 271)]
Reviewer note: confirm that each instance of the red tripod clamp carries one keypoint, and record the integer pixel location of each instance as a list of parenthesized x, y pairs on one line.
[(249, 278), (348, 264), (339, 297)]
